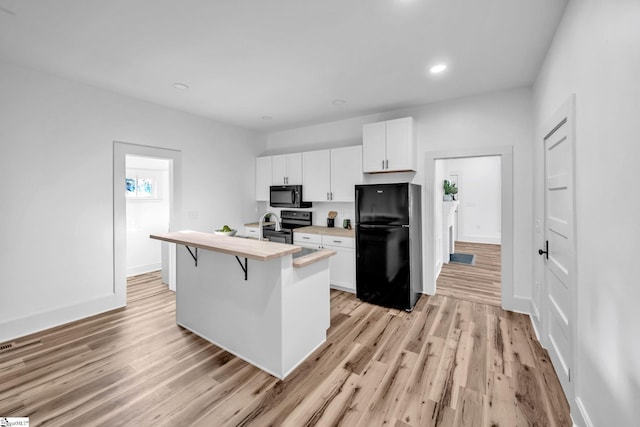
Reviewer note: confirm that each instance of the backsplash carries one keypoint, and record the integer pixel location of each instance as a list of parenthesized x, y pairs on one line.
[(320, 210)]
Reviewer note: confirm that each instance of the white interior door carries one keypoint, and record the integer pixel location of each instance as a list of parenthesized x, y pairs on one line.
[(559, 245)]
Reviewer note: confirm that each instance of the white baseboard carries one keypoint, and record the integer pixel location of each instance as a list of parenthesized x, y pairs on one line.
[(517, 304), (477, 238), (581, 417), (342, 288), (141, 269), (17, 328), (535, 320)]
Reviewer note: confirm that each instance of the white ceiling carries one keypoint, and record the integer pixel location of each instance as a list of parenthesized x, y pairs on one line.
[(287, 59)]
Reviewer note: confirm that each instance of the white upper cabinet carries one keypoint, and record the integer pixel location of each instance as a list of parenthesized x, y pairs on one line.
[(316, 167), (263, 178), (330, 175), (286, 169), (346, 173), (389, 146), (374, 142)]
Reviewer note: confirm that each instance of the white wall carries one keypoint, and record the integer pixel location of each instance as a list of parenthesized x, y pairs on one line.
[(56, 172), (147, 216), (489, 120), (479, 195), (596, 55)]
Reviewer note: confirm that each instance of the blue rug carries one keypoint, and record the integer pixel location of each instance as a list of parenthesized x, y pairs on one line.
[(463, 259)]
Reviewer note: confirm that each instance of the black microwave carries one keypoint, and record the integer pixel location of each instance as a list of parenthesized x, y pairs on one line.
[(287, 196)]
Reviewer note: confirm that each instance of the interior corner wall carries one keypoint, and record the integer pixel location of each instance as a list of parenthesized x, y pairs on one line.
[(596, 56), (56, 187), (482, 121)]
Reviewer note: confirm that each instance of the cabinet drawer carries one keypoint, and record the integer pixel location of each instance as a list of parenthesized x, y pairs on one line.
[(252, 232), (307, 238), (343, 242)]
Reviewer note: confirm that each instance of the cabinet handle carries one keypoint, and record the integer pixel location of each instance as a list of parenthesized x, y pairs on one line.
[(328, 196), (337, 241), (305, 237), (386, 162), (331, 196), (383, 164)]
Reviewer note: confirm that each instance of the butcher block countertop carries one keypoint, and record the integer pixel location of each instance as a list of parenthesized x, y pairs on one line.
[(303, 261), (246, 248), (327, 231)]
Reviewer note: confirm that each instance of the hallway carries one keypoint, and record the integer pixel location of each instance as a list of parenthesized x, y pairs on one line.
[(477, 283)]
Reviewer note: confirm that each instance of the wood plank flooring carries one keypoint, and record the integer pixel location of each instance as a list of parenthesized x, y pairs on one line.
[(450, 362), (478, 283)]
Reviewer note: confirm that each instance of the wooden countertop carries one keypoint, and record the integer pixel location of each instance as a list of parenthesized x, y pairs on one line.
[(303, 261), (327, 231), (257, 224), (247, 248)]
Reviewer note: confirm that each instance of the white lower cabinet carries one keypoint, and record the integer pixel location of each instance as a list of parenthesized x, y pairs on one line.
[(342, 266)]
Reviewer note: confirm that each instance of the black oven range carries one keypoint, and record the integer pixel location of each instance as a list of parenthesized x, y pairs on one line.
[(290, 220)]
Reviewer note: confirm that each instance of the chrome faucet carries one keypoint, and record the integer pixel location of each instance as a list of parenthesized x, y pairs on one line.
[(278, 228)]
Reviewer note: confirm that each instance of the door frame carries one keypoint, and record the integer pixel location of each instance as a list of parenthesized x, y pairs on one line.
[(509, 300), (120, 152)]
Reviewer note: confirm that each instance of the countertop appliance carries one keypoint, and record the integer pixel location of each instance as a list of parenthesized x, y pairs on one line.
[(290, 221), (287, 196), (389, 244)]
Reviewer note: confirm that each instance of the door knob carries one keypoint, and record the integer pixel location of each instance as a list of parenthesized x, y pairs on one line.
[(546, 250)]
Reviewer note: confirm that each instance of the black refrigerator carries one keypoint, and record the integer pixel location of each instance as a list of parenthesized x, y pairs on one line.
[(389, 244)]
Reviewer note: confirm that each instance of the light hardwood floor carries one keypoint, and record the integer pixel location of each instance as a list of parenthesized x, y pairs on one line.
[(450, 362), (478, 283)]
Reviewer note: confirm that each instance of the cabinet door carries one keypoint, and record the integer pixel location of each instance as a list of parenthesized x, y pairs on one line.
[(263, 178), (294, 169), (401, 145), (278, 169), (346, 173), (316, 173), (373, 147), (342, 270)]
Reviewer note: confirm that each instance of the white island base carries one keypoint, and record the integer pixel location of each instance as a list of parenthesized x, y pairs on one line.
[(273, 320)]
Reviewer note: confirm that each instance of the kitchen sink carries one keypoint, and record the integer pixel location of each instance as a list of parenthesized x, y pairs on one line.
[(304, 252)]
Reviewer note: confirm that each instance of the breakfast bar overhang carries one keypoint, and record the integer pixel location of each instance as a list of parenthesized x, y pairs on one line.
[(273, 313)]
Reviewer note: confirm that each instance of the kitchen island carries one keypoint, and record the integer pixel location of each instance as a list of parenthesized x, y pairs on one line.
[(252, 298)]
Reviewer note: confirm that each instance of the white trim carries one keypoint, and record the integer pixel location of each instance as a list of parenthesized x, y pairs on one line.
[(145, 268), (509, 300), (21, 327), (478, 238), (581, 417)]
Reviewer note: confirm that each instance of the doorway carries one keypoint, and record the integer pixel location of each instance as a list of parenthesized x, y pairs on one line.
[(432, 196), (173, 158), (468, 231)]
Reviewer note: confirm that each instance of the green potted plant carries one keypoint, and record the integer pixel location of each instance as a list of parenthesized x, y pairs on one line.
[(450, 190)]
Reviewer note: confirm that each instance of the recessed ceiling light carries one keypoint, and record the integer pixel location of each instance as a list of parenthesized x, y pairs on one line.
[(266, 118), (438, 68), (339, 102), (181, 86)]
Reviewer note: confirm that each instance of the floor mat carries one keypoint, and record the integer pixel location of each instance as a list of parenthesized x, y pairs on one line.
[(463, 259)]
